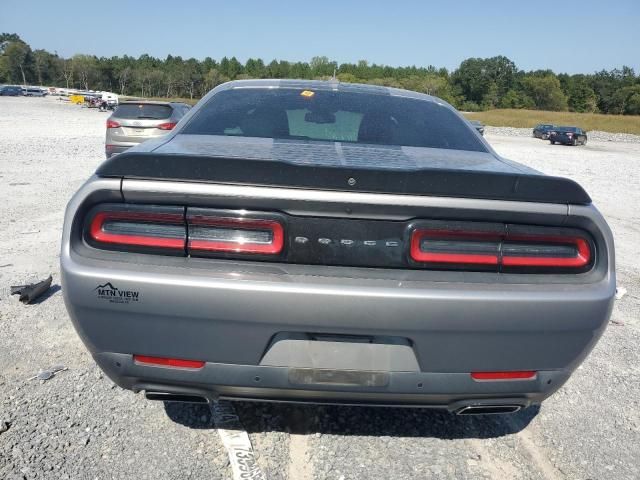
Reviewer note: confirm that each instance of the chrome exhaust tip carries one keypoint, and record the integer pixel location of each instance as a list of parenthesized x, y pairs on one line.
[(175, 397), (488, 409)]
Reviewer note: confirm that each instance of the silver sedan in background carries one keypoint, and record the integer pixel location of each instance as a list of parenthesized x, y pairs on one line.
[(134, 122)]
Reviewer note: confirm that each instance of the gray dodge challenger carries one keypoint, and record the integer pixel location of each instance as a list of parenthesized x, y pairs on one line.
[(307, 241)]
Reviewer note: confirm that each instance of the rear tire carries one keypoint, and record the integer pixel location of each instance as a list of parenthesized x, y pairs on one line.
[(545, 136)]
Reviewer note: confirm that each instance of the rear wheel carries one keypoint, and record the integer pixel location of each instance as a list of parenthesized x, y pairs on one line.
[(545, 136)]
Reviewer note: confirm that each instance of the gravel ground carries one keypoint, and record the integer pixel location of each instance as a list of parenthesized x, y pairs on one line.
[(78, 425)]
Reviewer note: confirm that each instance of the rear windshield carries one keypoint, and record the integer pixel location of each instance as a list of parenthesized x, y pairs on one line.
[(567, 129), (333, 116), (142, 111)]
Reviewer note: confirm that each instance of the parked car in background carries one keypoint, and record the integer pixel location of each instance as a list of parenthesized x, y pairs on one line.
[(10, 91), (134, 122), (568, 136), (542, 131), (110, 99), (33, 92), (314, 241), (478, 125)]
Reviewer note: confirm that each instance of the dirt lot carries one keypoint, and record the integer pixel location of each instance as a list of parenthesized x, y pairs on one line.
[(78, 425)]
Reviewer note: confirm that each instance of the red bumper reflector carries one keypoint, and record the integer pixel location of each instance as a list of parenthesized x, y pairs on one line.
[(517, 375), (168, 362)]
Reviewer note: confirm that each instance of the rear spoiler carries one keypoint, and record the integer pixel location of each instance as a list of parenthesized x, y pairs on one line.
[(520, 187)]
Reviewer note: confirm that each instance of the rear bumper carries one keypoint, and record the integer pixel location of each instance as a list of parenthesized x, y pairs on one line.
[(229, 318), (113, 149), (231, 314), (562, 140), (450, 391)]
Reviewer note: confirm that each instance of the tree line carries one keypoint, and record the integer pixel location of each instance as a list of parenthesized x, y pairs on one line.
[(477, 84)]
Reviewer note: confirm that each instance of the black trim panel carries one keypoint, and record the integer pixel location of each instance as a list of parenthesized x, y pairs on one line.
[(433, 181)]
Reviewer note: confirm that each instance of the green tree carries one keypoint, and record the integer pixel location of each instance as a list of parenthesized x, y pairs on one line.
[(627, 100), (582, 98), (255, 68), (478, 78), (213, 78), (347, 78), (491, 99), (322, 67), (85, 69), (545, 92), (516, 99), (19, 61), (191, 76), (633, 103)]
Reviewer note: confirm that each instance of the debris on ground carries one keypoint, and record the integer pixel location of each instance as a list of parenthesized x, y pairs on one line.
[(4, 426), (620, 292), (236, 441), (45, 375), (29, 293)]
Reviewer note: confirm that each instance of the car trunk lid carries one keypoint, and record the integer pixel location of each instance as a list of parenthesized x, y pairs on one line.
[(342, 166)]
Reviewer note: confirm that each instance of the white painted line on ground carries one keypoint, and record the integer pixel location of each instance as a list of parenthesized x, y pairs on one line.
[(236, 440)]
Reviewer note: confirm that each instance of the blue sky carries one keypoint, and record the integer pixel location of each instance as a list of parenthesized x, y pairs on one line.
[(534, 34)]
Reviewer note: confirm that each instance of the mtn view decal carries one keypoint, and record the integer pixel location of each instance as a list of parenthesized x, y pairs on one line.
[(115, 295)]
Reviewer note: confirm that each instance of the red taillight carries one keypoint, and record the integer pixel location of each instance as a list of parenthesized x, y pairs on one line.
[(546, 251), (468, 248), (165, 229), (235, 235), (166, 126), (501, 250), (112, 124), (138, 229), (168, 362), (514, 375)]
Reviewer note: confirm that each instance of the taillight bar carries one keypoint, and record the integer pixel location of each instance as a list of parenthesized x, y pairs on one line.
[(508, 375), (430, 244), (469, 248), (160, 229), (151, 228), (166, 126), (579, 258), (168, 362), (112, 124), (216, 232), (501, 249)]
